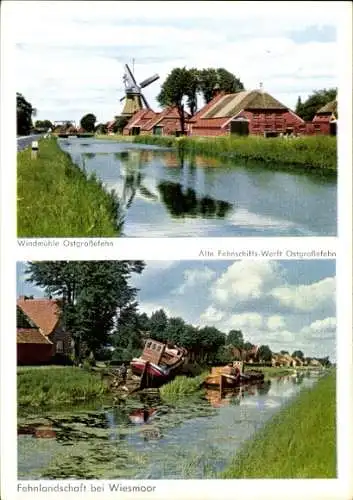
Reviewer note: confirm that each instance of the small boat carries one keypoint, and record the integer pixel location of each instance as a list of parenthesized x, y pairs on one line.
[(228, 377), (158, 362)]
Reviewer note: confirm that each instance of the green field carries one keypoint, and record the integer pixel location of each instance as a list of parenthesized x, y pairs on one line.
[(299, 442), (316, 153), (47, 386), (55, 198)]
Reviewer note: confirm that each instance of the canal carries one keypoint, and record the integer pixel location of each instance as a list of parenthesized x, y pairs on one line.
[(194, 437), (165, 195)]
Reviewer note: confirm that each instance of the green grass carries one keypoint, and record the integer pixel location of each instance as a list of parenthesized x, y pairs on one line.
[(181, 387), (271, 371), (47, 386), (299, 442), (55, 198), (317, 153)]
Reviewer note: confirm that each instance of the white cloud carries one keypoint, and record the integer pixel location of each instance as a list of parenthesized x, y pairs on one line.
[(275, 323), (211, 315), (321, 329), (195, 277), (246, 280), (82, 51), (307, 297)]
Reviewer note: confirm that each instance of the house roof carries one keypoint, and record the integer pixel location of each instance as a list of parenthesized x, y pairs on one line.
[(44, 313), (140, 118), (330, 107), (170, 112), (31, 336), (232, 104)]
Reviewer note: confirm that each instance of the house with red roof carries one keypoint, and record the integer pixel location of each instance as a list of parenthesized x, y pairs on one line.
[(253, 112), (148, 122), (40, 331)]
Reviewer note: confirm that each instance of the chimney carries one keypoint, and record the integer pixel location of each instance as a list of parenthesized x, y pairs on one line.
[(216, 90), (261, 87)]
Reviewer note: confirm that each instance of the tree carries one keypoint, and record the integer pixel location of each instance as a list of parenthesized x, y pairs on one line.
[(177, 90), (87, 122), (44, 124), (101, 128), (24, 112), (94, 295), (158, 325), (248, 346), (298, 354), (223, 80), (314, 102), (265, 353), (235, 337), (120, 123), (284, 352)]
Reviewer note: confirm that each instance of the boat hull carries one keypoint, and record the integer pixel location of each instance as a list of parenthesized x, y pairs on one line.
[(154, 372)]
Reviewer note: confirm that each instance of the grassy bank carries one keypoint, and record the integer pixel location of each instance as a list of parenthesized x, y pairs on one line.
[(318, 153), (182, 386), (55, 198), (299, 442), (271, 371), (44, 387)]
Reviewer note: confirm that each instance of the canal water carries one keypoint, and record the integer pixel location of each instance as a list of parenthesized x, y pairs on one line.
[(162, 194), (194, 437)]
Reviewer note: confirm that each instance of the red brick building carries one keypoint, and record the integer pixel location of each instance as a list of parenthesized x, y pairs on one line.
[(147, 122), (40, 332), (252, 112), (325, 120)]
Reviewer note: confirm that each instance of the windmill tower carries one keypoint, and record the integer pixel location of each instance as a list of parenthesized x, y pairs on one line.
[(134, 99)]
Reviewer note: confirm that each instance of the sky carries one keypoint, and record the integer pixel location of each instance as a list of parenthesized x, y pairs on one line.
[(70, 57), (284, 304)]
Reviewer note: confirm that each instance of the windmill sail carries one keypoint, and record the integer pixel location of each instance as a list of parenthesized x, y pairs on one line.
[(134, 99)]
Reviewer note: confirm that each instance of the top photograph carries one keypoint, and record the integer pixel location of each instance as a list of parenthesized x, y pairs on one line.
[(176, 119)]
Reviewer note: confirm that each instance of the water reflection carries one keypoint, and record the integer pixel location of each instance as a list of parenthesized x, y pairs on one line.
[(183, 202), (167, 194), (147, 438)]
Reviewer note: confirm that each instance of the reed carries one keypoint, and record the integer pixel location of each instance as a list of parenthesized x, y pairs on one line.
[(44, 387), (182, 386), (317, 153), (299, 442), (55, 198)]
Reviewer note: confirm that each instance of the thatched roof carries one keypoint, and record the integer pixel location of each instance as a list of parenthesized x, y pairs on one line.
[(330, 107), (231, 104)]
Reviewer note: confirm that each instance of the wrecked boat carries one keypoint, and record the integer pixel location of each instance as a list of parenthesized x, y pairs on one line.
[(158, 363)]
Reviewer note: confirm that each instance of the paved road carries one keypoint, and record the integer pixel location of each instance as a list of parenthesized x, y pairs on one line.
[(25, 141)]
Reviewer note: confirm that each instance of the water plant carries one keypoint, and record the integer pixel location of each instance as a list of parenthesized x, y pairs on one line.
[(55, 198), (182, 386)]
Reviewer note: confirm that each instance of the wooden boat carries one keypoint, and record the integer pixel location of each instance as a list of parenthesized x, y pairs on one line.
[(158, 362), (228, 377)]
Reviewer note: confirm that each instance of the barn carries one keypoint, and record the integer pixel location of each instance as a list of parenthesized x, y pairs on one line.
[(253, 112), (325, 119)]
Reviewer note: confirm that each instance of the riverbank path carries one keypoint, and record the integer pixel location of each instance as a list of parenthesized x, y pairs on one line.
[(25, 141)]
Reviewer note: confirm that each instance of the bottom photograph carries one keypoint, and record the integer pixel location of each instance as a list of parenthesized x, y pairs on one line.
[(176, 369)]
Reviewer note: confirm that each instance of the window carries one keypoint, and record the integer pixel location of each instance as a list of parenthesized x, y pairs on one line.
[(159, 347), (60, 346), (148, 345)]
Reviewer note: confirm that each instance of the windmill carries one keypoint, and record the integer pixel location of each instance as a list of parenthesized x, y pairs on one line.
[(135, 100)]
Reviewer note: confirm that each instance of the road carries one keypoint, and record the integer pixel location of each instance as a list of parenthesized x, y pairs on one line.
[(25, 141)]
